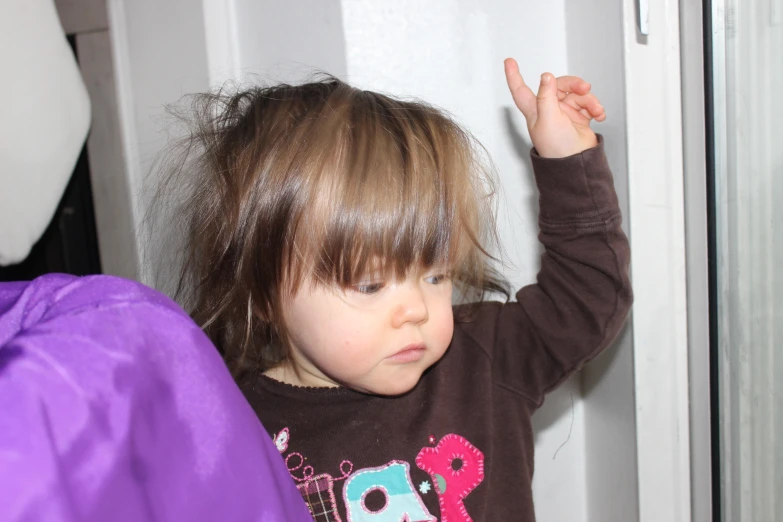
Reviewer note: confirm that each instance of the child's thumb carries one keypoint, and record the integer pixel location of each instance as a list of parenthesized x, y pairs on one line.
[(546, 99)]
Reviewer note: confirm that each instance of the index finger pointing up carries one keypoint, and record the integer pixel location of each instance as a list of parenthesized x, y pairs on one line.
[(524, 98)]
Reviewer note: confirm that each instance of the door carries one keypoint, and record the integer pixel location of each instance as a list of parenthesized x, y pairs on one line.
[(746, 177)]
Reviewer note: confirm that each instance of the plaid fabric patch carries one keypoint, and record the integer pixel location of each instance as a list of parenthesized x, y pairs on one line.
[(318, 493)]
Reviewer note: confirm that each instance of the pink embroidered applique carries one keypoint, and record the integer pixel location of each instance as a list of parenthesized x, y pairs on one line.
[(457, 468)]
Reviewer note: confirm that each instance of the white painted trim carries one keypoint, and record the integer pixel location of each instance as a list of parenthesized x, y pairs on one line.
[(697, 255), (82, 16), (118, 34), (657, 223), (720, 155), (111, 194)]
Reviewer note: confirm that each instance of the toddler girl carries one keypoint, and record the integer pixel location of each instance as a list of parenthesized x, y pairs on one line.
[(329, 230)]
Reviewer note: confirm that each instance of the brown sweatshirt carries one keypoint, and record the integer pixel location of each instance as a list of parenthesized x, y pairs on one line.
[(459, 446)]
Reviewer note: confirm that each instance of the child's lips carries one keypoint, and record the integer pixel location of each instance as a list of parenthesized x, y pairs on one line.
[(411, 353)]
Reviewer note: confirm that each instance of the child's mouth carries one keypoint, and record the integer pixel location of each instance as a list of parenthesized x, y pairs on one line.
[(411, 353)]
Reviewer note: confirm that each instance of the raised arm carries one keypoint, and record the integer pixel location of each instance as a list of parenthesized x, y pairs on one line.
[(583, 293)]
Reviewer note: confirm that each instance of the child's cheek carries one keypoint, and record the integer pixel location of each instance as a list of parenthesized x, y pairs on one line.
[(356, 341), (443, 327)]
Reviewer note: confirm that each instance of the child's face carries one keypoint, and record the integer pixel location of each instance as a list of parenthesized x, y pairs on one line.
[(377, 337)]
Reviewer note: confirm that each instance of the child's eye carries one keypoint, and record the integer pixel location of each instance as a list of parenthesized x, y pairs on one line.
[(436, 279), (368, 288)]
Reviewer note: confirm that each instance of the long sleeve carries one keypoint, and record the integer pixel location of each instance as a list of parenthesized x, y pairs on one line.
[(583, 292)]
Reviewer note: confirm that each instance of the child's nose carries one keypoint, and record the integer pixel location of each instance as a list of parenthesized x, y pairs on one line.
[(412, 307)]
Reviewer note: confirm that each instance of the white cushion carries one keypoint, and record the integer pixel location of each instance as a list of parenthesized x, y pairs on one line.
[(44, 119)]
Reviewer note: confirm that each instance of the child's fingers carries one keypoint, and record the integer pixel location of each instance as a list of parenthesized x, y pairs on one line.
[(575, 115), (524, 98), (566, 84), (586, 114), (547, 104), (587, 103)]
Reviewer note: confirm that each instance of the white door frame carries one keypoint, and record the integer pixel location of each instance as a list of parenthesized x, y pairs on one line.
[(657, 223)]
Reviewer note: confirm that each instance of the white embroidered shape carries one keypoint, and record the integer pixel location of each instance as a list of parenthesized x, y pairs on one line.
[(281, 440), (425, 487)]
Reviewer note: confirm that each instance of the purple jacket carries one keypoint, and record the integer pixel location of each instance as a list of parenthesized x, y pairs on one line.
[(115, 406)]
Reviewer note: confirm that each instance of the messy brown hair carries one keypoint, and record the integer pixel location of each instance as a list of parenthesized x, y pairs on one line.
[(321, 182)]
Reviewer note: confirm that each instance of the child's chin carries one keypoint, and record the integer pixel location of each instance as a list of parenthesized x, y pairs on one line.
[(400, 385)]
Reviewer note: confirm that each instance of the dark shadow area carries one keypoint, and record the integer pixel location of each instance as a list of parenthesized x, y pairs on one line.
[(7, 356)]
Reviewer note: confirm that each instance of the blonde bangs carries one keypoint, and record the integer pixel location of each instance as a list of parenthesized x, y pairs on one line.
[(399, 188)]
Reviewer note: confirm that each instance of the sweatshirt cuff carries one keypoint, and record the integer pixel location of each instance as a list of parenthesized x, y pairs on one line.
[(576, 187)]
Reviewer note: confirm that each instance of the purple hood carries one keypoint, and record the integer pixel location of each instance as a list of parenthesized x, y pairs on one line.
[(114, 406)]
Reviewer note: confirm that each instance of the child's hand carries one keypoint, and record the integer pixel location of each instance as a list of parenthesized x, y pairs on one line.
[(559, 117)]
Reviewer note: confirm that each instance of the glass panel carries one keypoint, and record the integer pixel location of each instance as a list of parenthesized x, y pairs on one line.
[(748, 77)]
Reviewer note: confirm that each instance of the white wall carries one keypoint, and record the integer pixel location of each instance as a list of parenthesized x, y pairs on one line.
[(159, 55), (283, 42)]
